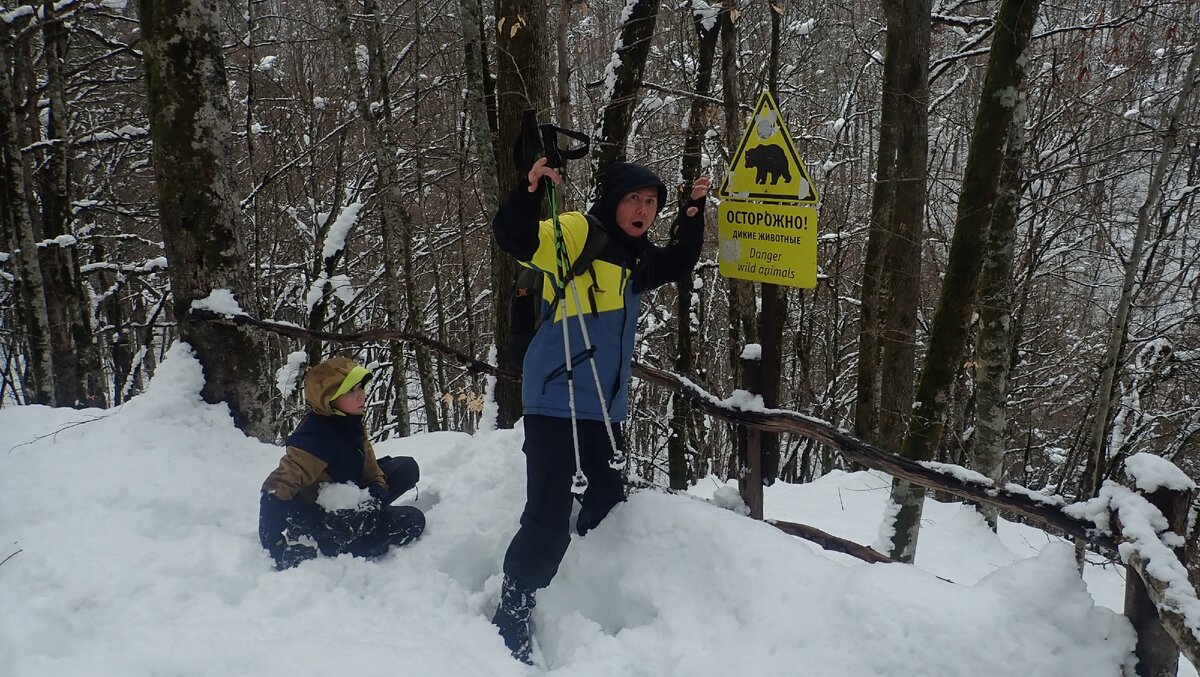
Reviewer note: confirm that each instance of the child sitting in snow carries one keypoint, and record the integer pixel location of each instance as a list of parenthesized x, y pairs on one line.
[(303, 509)]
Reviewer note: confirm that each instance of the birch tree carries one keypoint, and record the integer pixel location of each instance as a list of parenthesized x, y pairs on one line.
[(993, 343)]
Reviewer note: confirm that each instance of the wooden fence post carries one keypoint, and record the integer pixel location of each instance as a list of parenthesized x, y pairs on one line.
[(1156, 651), (750, 482)]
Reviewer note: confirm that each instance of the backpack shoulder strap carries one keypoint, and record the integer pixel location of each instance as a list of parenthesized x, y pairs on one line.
[(593, 245)]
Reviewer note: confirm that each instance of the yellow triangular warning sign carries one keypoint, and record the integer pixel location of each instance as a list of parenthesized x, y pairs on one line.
[(765, 167)]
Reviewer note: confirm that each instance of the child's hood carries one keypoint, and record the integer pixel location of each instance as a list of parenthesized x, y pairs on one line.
[(330, 379)]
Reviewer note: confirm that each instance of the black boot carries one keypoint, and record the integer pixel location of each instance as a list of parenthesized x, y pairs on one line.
[(512, 619)]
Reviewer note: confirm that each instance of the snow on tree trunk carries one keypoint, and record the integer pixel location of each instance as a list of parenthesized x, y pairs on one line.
[(997, 105), (993, 352), (622, 82), (190, 125)]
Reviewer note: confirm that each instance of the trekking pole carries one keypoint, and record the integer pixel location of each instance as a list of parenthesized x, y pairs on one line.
[(579, 483), (531, 135), (549, 139), (618, 458)]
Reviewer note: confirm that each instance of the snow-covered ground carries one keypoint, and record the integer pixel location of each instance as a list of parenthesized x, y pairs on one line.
[(131, 546)]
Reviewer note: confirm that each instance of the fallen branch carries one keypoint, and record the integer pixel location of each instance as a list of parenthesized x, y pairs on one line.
[(825, 540), (293, 331), (1178, 608), (830, 542)]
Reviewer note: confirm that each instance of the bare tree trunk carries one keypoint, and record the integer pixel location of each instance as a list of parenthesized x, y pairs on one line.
[(562, 94), (899, 203), (482, 128), (682, 417), (124, 338), (1005, 73), (773, 315), (24, 240), (465, 258), (446, 411), (1098, 459), (76, 362), (408, 234), (248, 132), (478, 135), (907, 78), (867, 397), (743, 325), (190, 124), (522, 82), (412, 316)]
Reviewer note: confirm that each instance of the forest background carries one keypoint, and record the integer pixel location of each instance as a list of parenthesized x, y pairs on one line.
[(336, 164)]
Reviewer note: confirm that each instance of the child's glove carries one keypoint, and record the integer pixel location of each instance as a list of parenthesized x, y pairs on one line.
[(272, 519), (378, 492)]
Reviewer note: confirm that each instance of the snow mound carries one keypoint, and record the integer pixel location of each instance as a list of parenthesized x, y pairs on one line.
[(132, 550)]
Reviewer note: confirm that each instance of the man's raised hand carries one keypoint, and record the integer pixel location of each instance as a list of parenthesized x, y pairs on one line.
[(540, 171), (700, 190)]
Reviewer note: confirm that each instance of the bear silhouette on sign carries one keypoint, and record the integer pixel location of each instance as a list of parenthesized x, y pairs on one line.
[(768, 160)]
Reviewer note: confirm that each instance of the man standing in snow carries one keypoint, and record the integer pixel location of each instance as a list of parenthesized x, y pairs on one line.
[(330, 446), (610, 291)]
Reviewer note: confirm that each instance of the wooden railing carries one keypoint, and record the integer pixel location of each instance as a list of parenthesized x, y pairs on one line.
[(1159, 602)]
